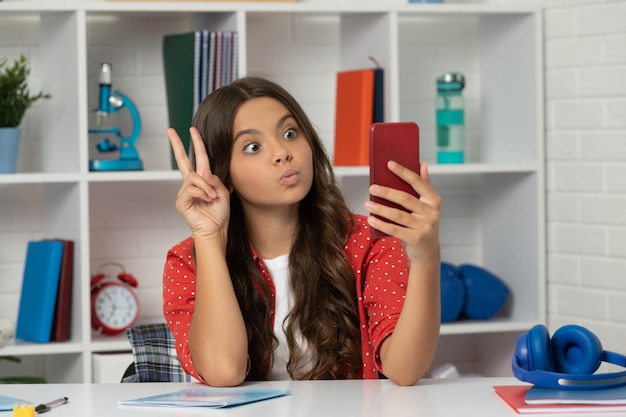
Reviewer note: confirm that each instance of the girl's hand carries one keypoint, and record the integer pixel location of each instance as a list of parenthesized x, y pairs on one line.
[(203, 200), (419, 228)]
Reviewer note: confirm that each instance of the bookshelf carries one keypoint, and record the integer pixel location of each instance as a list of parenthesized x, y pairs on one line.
[(493, 205)]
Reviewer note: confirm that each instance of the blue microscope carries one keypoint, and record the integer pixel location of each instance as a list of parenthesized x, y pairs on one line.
[(112, 102)]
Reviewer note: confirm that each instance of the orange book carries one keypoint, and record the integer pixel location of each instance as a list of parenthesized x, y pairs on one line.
[(353, 116)]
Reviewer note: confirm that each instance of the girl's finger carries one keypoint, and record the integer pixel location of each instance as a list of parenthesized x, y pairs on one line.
[(195, 180), (403, 172), (183, 162), (199, 150), (419, 182), (424, 174)]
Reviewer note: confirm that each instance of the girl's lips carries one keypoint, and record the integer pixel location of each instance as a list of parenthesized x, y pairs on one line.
[(289, 177)]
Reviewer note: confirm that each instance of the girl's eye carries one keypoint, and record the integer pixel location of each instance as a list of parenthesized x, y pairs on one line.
[(251, 147), (290, 133)]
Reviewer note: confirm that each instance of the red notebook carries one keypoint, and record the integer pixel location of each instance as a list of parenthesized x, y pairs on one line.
[(62, 313), (514, 396), (354, 112)]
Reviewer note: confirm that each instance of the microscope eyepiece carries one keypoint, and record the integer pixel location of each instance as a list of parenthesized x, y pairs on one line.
[(105, 73)]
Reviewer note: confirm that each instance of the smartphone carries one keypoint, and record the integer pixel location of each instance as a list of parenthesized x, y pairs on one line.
[(398, 141)]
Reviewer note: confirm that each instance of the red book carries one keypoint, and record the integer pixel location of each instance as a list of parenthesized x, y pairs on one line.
[(354, 112), (63, 309)]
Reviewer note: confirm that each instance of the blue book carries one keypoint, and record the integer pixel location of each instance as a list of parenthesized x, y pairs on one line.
[(39, 290), (207, 397), (379, 96), (538, 395)]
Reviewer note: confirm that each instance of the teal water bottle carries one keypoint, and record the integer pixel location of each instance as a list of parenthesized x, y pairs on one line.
[(450, 118)]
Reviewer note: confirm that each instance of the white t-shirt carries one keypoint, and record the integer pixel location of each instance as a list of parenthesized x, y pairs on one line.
[(279, 270)]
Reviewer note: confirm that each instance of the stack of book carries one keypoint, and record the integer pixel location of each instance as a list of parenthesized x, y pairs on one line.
[(46, 297), (527, 399), (195, 64)]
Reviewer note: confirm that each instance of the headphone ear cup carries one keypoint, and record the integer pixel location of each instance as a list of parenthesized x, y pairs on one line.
[(533, 351), (540, 354), (521, 352), (576, 350)]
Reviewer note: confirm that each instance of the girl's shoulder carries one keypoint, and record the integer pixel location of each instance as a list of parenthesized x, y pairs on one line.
[(360, 234), (360, 239), (360, 223)]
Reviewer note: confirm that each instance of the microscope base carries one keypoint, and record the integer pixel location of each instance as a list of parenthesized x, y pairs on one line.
[(116, 165)]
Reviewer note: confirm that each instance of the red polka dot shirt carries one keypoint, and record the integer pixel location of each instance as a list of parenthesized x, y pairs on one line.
[(380, 268)]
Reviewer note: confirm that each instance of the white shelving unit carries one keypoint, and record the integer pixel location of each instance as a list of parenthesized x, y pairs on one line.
[(501, 186)]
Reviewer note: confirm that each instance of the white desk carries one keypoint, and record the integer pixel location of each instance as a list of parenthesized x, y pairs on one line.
[(428, 398)]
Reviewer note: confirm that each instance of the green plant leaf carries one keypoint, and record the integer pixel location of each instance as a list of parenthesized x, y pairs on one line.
[(15, 97), (23, 380)]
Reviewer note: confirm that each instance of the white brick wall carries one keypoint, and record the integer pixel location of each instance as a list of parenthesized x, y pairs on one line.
[(585, 57)]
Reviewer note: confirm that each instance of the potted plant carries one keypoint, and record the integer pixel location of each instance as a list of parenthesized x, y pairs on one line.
[(15, 99)]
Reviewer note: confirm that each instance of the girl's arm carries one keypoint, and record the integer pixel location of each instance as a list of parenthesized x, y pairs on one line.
[(217, 334), (408, 352)]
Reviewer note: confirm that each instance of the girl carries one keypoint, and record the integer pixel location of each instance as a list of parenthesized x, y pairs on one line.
[(278, 278)]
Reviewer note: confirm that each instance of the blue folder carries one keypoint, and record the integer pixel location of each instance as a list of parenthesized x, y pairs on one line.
[(39, 290), (7, 403)]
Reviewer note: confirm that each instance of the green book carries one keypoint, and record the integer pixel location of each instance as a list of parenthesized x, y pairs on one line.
[(178, 65)]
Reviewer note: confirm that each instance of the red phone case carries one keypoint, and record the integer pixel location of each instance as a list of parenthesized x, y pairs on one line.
[(398, 141)]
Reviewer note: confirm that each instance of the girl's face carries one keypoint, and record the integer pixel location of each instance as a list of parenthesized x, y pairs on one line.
[(272, 162)]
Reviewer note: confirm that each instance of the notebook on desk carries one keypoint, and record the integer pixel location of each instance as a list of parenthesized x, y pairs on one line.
[(206, 397), (537, 395), (6, 403), (514, 395)]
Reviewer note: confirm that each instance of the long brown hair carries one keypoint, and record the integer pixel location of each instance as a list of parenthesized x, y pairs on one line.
[(325, 310)]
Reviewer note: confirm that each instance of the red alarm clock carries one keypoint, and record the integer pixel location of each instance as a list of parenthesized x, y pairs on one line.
[(114, 304)]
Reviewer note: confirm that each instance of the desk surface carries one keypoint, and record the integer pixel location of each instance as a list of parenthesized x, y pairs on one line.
[(429, 397)]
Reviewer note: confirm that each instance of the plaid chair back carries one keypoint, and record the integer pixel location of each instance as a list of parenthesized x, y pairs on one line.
[(154, 355)]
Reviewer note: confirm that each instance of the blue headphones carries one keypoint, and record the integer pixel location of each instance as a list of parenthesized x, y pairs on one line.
[(567, 361)]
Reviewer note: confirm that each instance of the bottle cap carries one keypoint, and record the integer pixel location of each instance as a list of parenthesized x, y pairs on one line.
[(451, 81)]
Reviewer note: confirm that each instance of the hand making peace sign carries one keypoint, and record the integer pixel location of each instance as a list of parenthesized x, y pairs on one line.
[(203, 200)]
